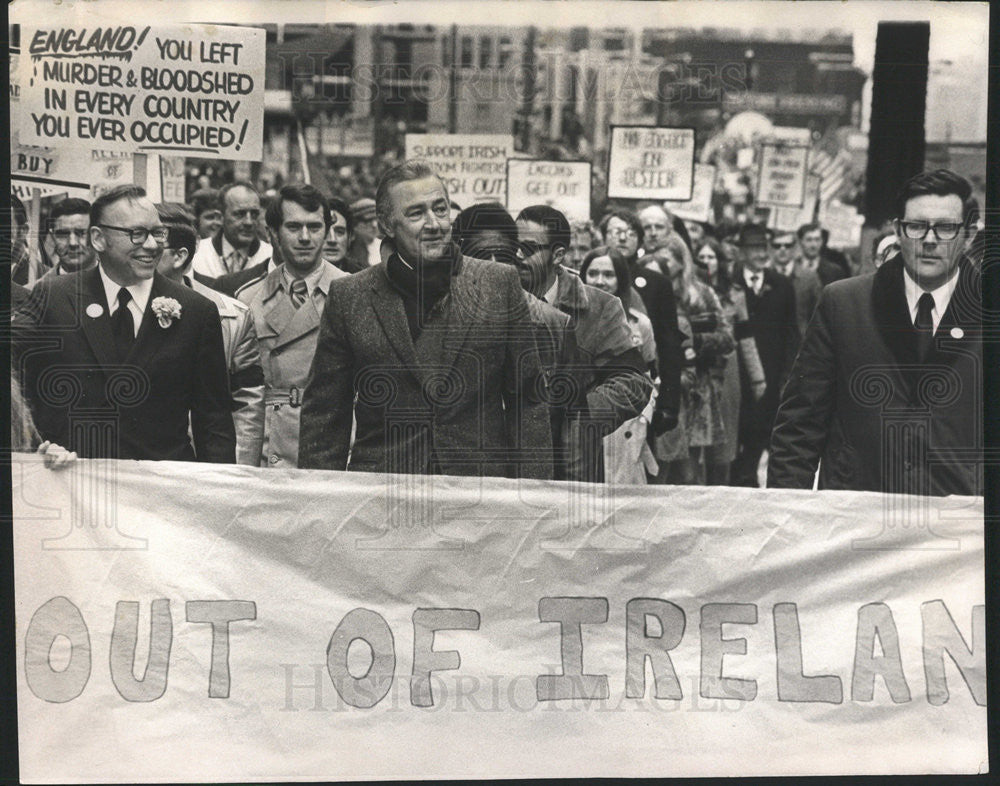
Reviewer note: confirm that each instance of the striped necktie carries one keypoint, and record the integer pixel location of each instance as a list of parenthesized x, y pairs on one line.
[(299, 291)]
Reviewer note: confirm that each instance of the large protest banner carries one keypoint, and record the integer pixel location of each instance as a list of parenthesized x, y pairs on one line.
[(565, 185), (651, 163), (473, 166), (197, 622), (187, 89)]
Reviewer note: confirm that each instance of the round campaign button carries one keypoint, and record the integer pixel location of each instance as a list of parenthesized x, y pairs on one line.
[(957, 332), (640, 281), (94, 310)]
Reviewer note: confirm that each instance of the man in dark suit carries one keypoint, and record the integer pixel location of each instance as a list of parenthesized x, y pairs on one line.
[(117, 361), (886, 394), (814, 259), (432, 352), (771, 307)]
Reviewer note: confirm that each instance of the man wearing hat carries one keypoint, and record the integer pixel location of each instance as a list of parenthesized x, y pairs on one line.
[(774, 324), (364, 250)]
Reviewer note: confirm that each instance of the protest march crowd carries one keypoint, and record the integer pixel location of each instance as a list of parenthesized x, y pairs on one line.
[(406, 333)]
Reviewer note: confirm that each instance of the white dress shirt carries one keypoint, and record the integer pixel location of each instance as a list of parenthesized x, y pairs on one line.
[(137, 305), (748, 276), (942, 296)]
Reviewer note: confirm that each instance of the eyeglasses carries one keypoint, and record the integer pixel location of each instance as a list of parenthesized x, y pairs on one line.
[(138, 235), (66, 234), (917, 230), (629, 233), (528, 248), (788, 244)]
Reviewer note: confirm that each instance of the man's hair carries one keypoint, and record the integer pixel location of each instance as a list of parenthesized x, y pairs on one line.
[(340, 206), (20, 212), (205, 199), (175, 213), (555, 223), (629, 217), (116, 194), (235, 184), (416, 169), (805, 229), (483, 217), (69, 207), (182, 236), (306, 196), (939, 182)]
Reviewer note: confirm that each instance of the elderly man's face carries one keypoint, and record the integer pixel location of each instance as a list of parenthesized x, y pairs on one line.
[(240, 214), (932, 260), (419, 220), (655, 227)]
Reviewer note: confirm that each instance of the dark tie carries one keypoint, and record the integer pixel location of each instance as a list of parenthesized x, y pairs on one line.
[(924, 324), (299, 291), (122, 326)]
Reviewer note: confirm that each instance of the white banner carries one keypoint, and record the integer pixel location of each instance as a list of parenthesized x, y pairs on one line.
[(651, 163), (184, 622), (186, 89), (565, 185), (472, 166)]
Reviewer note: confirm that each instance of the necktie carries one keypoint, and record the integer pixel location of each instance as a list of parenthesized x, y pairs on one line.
[(924, 323), (122, 325), (237, 261), (299, 290)]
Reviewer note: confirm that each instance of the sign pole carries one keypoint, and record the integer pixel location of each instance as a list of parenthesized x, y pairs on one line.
[(139, 170), (35, 235)]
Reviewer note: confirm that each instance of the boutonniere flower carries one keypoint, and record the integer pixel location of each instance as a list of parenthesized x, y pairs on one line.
[(166, 310)]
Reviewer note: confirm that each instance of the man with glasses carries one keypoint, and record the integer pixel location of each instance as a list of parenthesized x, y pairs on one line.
[(610, 367), (886, 393), (69, 230), (118, 361), (805, 282), (235, 247)]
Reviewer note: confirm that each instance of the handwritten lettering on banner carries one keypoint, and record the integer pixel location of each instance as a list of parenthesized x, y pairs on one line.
[(346, 629), (565, 185), (473, 166), (187, 89), (651, 163), (699, 206), (782, 178)]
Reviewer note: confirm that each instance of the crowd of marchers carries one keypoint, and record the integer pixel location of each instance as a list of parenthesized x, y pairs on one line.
[(403, 333)]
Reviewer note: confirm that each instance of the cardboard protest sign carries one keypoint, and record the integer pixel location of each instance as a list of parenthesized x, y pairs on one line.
[(781, 181), (651, 163), (844, 224), (473, 166), (172, 179), (565, 185), (187, 89), (789, 219), (197, 622), (699, 207)]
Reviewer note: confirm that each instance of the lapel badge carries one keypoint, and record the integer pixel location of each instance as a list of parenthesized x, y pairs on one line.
[(94, 310), (957, 332), (640, 281)]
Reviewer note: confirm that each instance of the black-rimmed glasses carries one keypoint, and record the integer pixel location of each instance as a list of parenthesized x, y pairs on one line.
[(138, 235), (917, 230)]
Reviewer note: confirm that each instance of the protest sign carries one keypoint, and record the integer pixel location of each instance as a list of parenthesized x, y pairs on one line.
[(789, 219), (782, 176), (699, 207), (172, 178), (651, 163), (472, 166), (844, 224), (565, 185), (197, 622), (195, 89)]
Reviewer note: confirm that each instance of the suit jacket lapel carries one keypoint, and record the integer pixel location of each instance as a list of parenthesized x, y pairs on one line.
[(461, 301), (277, 309), (961, 324), (97, 329), (388, 308), (892, 314), (150, 333)]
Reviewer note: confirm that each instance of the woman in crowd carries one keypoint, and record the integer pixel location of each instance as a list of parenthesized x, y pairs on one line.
[(628, 457), (713, 267), (711, 340)]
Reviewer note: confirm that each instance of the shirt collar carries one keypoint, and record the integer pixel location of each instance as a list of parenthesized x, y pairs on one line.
[(552, 293), (942, 295), (749, 274), (313, 281), (139, 292), (228, 249)]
